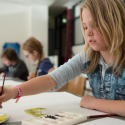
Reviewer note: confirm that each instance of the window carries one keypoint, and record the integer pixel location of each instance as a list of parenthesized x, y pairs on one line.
[(77, 31), (78, 36)]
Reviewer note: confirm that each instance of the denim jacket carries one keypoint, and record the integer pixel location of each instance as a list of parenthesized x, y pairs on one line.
[(111, 87), (104, 84)]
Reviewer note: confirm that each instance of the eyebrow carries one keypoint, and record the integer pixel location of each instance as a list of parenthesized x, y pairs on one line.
[(91, 22), (83, 24)]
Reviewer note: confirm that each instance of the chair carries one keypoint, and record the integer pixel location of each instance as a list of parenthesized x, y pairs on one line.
[(76, 86)]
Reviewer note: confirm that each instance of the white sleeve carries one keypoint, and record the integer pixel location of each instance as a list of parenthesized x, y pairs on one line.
[(68, 70)]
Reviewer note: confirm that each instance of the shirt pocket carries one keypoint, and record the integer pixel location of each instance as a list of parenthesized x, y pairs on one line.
[(120, 92)]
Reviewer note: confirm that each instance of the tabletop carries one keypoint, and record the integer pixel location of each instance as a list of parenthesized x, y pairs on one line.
[(53, 101)]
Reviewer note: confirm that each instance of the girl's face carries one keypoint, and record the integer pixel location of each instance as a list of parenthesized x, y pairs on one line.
[(93, 38), (31, 56), (6, 61)]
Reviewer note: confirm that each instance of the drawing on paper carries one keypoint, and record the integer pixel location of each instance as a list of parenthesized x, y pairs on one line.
[(36, 112)]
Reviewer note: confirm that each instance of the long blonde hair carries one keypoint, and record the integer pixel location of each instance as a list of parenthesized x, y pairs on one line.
[(32, 44), (108, 16)]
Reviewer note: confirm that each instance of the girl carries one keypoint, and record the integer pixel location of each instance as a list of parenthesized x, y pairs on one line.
[(103, 26), (15, 66), (33, 50)]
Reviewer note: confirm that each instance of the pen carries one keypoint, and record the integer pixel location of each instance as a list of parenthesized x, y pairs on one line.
[(95, 116), (3, 84)]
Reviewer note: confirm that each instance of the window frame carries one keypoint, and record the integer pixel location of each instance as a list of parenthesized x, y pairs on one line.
[(73, 36)]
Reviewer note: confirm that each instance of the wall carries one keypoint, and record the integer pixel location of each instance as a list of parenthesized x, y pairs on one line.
[(39, 25), (77, 49), (19, 22), (14, 25), (39, 28)]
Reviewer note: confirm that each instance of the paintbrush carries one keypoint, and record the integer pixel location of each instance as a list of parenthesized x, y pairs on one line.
[(105, 115)]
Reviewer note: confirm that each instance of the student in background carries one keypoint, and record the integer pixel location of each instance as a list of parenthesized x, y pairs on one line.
[(103, 60), (33, 50), (15, 66)]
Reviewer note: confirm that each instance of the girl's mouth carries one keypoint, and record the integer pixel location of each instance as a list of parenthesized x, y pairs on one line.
[(92, 41)]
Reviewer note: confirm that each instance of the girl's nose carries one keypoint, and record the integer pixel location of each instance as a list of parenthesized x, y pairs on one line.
[(89, 32)]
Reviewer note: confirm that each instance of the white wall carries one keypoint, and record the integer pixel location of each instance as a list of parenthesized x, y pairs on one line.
[(77, 49), (39, 28), (39, 25), (14, 24), (19, 22)]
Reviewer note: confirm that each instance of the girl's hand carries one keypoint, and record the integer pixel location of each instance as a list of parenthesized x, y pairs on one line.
[(7, 95), (88, 102), (2, 74)]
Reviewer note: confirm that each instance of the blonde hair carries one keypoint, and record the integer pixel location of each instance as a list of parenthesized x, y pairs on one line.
[(108, 16), (32, 44)]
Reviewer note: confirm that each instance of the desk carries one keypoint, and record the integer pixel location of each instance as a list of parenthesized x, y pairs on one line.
[(53, 101), (10, 81), (12, 78)]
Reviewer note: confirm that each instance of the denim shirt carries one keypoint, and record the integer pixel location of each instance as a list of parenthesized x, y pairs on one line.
[(104, 84)]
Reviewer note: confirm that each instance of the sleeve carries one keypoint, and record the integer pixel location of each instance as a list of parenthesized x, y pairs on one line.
[(3, 69), (69, 70), (18, 70)]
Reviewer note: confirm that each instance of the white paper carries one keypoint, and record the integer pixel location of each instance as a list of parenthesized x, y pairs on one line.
[(53, 101), (105, 121), (10, 82)]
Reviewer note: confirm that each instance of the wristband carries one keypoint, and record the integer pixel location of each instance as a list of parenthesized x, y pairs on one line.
[(19, 93)]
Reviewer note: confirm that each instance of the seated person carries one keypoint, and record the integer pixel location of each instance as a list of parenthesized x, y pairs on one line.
[(15, 66), (33, 50)]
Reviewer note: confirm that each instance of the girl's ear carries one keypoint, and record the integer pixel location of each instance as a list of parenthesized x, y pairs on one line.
[(35, 52)]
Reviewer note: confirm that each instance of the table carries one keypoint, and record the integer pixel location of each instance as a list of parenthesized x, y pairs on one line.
[(12, 78), (53, 101)]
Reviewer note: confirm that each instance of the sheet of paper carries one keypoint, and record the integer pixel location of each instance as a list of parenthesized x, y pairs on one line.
[(53, 101), (10, 82), (105, 121)]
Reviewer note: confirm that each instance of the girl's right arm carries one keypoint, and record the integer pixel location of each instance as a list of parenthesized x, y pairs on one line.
[(34, 86), (56, 79)]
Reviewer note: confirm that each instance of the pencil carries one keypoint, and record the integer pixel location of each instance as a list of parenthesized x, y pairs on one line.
[(3, 84), (95, 116)]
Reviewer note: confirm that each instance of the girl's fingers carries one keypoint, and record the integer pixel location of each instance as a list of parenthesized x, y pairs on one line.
[(0, 104), (0, 88)]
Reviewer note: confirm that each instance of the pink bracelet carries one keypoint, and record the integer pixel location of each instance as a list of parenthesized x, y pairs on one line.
[(19, 93)]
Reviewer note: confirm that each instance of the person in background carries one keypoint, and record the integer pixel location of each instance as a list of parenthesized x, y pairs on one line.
[(33, 50), (16, 68), (103, 60)]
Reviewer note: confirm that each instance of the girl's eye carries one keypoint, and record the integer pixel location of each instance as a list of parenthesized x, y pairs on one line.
[(85, 28)]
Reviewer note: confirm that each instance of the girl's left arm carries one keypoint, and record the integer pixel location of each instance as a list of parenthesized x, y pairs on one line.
[(110, 106)]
